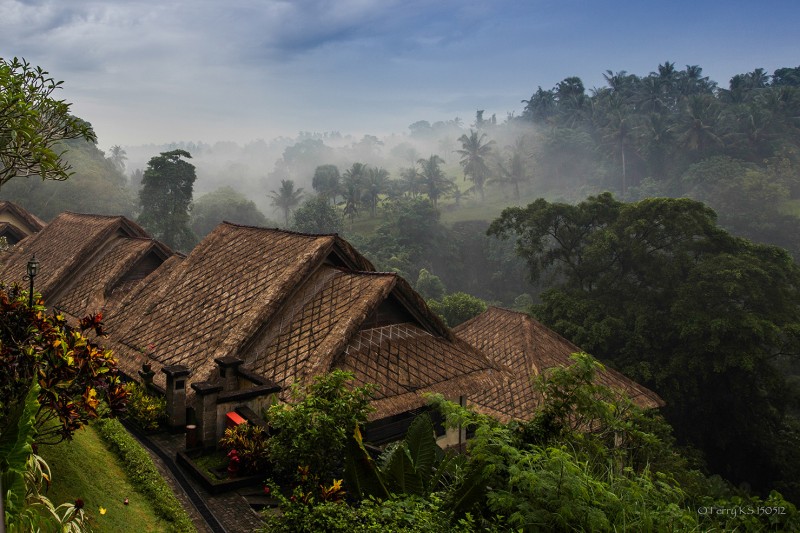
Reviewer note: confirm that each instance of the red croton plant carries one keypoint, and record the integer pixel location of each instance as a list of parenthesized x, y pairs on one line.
[(78, 379)]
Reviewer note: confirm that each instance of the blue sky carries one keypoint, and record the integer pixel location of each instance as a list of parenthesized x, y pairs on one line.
[(157, 71)]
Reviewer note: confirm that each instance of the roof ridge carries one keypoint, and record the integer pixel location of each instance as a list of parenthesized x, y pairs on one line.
[(281, 230)]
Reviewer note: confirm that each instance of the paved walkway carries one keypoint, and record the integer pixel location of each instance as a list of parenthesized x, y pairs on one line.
[(220, 513)]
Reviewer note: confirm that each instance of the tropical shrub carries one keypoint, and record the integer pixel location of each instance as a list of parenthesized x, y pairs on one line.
[(250, 443), (146, 410), (397, 514), (22, 474), (312, 429), (77, 379)]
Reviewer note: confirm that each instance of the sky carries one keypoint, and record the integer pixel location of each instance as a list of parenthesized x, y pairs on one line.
[(160, 71)]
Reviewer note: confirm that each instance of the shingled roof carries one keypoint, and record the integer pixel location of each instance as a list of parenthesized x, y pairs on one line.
[(65, 249), (102, 285), (293, 306), (526, 348)]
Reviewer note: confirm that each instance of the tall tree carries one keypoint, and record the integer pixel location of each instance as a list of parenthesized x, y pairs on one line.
[(375, 184), (327, 182), (516, 170), (117, 156), (286, 198), (32, 122), (432, 178), (474, 153), (410, 181), (353, 187), (317, 215), (165, 198)]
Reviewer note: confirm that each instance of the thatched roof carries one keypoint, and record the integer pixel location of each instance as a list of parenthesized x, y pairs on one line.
[(66, 249), (526, 348), (292, 306), (101, 286), (213, 302), (361, 322)]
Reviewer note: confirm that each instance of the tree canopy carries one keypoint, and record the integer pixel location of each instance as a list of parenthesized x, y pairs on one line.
[(224, 204), (704, 318), (165, 198)]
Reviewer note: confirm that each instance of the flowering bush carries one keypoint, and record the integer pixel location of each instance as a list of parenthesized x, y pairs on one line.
[(73, 373)]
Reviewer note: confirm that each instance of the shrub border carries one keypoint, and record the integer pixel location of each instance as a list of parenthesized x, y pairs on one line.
[(144, 475)]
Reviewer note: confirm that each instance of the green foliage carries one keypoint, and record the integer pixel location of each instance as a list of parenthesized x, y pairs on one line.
[(286, 199), (585, 463), (250, 443), (414, 466), (312, 430), (317, 215), (146, 410), (32, 121), (144, 475), (38, 513), (656, 288), (224, 204), (73, 373), (398, 514), (326, 181), (165, 198), (16, 438), (429, 286), (457, 308)]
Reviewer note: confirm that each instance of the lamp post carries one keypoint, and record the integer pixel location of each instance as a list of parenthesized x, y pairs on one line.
[(33, 269)]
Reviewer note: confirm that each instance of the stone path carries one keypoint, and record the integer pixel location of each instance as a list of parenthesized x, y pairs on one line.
[(220, 513)]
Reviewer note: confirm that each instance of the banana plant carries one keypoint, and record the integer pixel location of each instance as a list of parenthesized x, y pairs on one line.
[(414, 466)]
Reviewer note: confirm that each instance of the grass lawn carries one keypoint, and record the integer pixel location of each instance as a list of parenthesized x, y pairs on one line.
[(84, 468)]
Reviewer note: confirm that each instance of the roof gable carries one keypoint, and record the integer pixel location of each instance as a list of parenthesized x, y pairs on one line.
[(214, 301), (65, 246), (127, 262), (19, 217)]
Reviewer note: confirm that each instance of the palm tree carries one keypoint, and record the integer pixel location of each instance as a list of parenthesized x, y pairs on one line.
[(351, 191), (374, 185), (515, 171), (697, 127), (117, 156), (410, 180), (286, 199), (474, 153), (433, 179), (618, 132)]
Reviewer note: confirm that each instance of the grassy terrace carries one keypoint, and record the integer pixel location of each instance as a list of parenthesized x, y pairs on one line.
[(86, 468)]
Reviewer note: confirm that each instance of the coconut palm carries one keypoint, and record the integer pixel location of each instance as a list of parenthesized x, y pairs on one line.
[(374, 185), (474, 154), (353, 179), (516, 169), (286, 198), (432, 178), (410, 180), (697, 127)]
